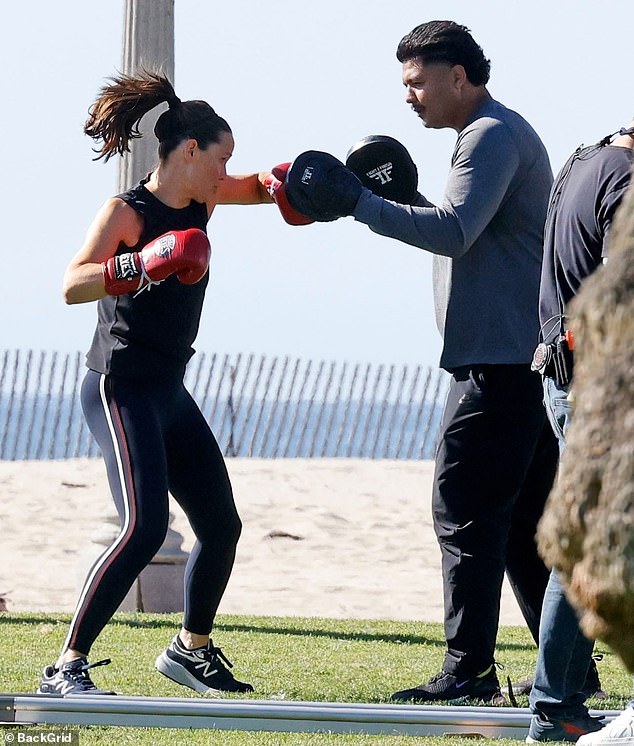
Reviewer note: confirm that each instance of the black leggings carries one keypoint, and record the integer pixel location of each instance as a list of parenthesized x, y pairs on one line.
[(153, 439)]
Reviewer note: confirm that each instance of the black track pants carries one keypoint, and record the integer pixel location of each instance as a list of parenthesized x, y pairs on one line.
[(153, 439), (495, 467)]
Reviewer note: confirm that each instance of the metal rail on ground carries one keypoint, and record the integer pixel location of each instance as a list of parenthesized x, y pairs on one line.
[(268, 715)]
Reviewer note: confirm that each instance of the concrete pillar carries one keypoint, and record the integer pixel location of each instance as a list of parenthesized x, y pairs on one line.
[(159, 587), (148, 41)]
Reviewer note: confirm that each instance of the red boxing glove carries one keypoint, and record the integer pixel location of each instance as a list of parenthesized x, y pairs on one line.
[(184, 253), (276, 187)]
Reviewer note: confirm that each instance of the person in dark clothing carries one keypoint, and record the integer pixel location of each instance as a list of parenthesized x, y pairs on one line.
[(583, 202), (145, 260), (497, 456)]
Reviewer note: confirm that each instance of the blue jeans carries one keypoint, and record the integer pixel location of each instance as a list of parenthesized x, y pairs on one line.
[(564, 652)]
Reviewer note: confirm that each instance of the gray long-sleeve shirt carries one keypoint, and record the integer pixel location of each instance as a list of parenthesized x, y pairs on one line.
[(486, 235)]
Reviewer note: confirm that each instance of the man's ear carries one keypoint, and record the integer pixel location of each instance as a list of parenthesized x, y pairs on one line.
[(459, 76)]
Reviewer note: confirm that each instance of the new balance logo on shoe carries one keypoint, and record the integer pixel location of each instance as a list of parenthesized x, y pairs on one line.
[(202, 669), (72, 678), (64, 687), (206, 667)]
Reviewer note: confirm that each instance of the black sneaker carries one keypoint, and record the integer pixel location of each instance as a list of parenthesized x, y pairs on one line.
[(201, 669), (447, 687), (543, 729), (71, 678), (618, 732)]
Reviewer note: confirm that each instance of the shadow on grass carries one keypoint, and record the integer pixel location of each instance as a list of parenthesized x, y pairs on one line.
[(284, 626), (19, 618), (332, 634), (411, 639)]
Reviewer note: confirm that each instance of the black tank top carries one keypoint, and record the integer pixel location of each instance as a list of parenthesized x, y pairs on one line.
[(150, 334)]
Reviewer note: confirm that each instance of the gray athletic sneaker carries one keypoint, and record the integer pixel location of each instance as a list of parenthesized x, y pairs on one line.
[(71, 678), (201, 669)]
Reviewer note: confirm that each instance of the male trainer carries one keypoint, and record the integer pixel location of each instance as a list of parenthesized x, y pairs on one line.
[(497, 456)]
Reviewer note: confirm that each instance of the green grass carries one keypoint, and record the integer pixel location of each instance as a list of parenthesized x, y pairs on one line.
[(285, 658)]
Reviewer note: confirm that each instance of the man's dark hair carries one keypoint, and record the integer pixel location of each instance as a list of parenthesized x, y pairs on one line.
[(446, 42)]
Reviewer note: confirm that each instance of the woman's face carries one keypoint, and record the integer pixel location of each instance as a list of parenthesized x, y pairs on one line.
[(211, 167)]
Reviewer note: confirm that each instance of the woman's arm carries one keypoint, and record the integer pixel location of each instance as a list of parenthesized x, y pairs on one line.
[(115, 223), (248, 189)]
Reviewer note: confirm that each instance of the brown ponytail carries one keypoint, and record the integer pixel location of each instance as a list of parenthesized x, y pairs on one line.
[(115, 115)]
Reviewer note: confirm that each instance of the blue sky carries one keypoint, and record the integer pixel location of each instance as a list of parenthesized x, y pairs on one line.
[(288, 76)]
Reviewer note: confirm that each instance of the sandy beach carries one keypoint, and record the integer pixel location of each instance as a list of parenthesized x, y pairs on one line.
[(321, 537)]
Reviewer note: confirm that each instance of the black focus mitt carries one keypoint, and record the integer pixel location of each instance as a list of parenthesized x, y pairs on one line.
[(320, 187), (384, 166)]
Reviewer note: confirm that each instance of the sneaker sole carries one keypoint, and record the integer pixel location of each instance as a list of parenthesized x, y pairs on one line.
[(89, 693), (181, 675), (495, 698)]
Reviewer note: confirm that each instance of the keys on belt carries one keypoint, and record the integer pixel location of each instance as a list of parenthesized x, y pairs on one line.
[(554, 360)]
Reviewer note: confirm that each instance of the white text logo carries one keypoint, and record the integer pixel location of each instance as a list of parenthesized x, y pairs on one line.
[(381, 173), (164, 245)]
